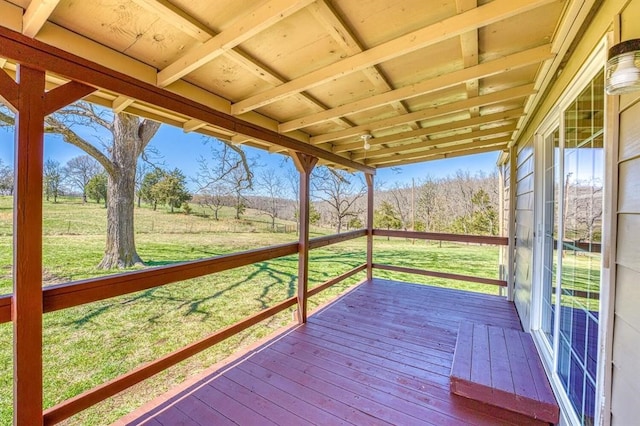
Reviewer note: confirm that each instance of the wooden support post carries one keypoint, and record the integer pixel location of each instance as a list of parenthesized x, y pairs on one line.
[(369, 178), (511, 255), (305, 164), (31, 104), (27, 242)]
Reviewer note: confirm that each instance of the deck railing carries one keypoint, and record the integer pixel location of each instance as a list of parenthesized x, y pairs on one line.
[(77, 293), (68, 295), (437, 236)]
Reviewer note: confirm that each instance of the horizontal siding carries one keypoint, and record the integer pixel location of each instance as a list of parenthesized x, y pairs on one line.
[(625, 384), (629, 187), (524, 233), (630, 127), (629, 242)]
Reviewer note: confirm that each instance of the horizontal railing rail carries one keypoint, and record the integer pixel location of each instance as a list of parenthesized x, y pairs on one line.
[(437, 236), (441, 236), (68, 295)]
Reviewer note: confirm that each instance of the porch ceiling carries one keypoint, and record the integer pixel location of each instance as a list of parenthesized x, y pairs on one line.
[(428, 80)]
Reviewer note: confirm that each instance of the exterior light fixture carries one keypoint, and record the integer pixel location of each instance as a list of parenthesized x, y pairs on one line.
[(623, 68), (365, 139)]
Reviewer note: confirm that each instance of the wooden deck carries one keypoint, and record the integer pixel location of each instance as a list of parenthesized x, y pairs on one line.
[(381, 354)]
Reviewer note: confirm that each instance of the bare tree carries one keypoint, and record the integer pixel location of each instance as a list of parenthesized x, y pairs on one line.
[(227, 173), (53, 177), (79, 171), (401, 202), (340, 191), (272, 188)]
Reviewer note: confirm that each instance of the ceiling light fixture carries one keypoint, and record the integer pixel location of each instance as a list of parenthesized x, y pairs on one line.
[(623, 68), (365, 139)]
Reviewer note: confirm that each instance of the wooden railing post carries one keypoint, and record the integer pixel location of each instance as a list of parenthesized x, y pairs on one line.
[(27, 242), (369, 178), (305, 164), (27, 98)]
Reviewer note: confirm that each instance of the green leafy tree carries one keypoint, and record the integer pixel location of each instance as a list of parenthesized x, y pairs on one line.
[(483, 219), (96, 188), (149, 180), (386, 217), (314, 215), (6, 179), (171, 189)]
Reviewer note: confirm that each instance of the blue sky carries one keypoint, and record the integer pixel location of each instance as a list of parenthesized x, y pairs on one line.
[(183, 150)]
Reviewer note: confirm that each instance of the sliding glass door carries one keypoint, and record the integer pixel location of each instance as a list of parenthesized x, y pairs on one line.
[(570, 233)]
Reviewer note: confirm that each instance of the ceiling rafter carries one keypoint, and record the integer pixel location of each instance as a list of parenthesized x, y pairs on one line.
[(121, 103), (432, 130), (481, 16), (36, 15), (496, 143), (516, 60), (470, 54), (431, 112), (191, 26), (327, 16), (486, 133), (263, 16), (403, 162)]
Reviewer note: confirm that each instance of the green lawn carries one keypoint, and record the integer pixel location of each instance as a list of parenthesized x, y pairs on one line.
[(87, 345)]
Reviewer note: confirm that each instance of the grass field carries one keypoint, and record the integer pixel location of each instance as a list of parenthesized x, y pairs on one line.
[(88, 345)]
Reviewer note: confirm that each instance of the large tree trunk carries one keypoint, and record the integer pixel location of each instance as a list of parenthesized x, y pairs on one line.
[(130, 137), (120, 251)]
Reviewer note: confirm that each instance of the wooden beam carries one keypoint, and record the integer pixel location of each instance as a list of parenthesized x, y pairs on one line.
[(193, 125), (9, 94), (469, 49), (62, 96), (36, 15), (444, 150), (328, 17), (394, 161), (305, 164), (452, 79), (27, 308), (432, 130), (121, 103), (19, 48), (435, 111), (492, 132), (370, 203), (188, 24), (479, 17), (177, 17), (253, 22)]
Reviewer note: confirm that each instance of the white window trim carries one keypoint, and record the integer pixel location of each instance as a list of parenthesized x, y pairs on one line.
[(587, 72)]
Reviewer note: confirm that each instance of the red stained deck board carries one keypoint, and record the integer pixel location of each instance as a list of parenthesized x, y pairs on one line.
[(502, 369), (379, 355)]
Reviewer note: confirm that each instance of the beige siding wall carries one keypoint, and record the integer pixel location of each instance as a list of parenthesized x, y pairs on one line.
[(626, 327), (524, 232), (623, 395)]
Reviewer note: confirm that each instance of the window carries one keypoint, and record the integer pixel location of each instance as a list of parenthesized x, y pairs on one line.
[(571, 163)]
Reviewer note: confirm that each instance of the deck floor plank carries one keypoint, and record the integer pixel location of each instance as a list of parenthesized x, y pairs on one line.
[(381, 354)]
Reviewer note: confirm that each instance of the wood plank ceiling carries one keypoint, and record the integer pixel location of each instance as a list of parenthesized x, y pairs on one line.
[(428, 80)]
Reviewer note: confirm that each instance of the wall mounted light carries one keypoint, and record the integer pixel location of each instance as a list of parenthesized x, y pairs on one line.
[(623, 68), (365, 141)]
